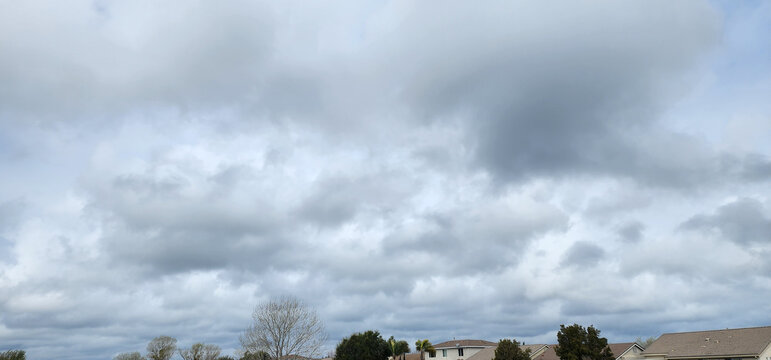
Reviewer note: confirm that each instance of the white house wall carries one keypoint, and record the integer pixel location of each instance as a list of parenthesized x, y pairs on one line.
[(631, 354), (452, 354), (766, 354)]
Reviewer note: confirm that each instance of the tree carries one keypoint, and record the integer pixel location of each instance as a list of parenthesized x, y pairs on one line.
[(13, 355), (284, 326), (129, 356), (510, 350), (368, 345), (399, 347), (161, 348), (226, 357), (577, 343), (200, 351), (645, 343), (422, 346)]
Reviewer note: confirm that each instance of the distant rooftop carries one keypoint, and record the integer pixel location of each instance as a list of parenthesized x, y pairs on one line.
[(712, 343), (464, 343)]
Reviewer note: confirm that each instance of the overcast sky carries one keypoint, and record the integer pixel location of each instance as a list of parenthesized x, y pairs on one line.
[(429, 169)]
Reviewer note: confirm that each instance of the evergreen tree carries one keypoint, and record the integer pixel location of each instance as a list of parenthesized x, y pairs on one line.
[(577, 343), (510, 350), (13, 355), (368, 345)]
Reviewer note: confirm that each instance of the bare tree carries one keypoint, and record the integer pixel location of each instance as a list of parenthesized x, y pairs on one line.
[(645, 343), (200, 351), (161, 348), (129, 356), (284, 326)]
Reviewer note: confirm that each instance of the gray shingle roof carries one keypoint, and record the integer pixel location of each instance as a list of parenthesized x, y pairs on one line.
[(617, 349), (712, 343), (464, 343), (489, 353)]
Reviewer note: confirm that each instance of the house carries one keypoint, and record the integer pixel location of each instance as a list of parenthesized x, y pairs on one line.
[(622, 351), (460, 349), (627, 351), (728, 344), (489, 353)]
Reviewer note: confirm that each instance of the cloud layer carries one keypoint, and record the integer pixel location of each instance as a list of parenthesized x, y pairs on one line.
[(430, 170)]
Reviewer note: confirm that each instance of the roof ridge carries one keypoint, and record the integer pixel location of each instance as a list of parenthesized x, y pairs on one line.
[(700, 331)]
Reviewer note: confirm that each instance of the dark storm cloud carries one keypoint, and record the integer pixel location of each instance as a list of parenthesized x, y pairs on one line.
[(743, 221), (554, 101), (583, 253)]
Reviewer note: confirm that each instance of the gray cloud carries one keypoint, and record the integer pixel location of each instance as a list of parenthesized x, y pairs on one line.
[(583, 253), (631, 231), (397, 165), (337, 200), (743, 221), (550, 102), (90, 61)]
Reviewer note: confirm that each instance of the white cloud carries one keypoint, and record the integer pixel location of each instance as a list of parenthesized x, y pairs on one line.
[(429, 170)]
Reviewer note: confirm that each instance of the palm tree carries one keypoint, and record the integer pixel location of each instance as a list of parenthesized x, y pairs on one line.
[(423, 346)]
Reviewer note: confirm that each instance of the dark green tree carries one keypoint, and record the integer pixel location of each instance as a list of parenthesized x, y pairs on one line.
[(510, 350), (368, 345), (398, 347), (577, 343), (13, 355)]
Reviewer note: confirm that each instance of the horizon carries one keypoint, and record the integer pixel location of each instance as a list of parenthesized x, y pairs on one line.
[(425, 169)]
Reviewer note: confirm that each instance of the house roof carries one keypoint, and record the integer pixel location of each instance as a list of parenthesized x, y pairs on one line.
[(489, 353), (620, 348), (712, 343), (617, 349), (413, 356), (452, 344)]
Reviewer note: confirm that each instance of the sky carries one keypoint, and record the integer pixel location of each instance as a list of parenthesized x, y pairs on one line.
[(428, 169)]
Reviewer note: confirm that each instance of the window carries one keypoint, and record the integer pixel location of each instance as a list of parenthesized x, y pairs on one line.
[(444, 353), (460, 352), (432, 354)]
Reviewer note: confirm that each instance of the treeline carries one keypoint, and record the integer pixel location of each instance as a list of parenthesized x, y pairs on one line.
[(164, 347), (574, 343), (286, 329)]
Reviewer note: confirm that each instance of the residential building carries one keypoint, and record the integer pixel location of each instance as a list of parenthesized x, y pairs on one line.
[(622, 351), (459, 349), (489, 353), (728, 344)]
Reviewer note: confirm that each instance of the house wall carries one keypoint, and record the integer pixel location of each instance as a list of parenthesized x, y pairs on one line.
[(452, 353), (766, 354), (632, 354)]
